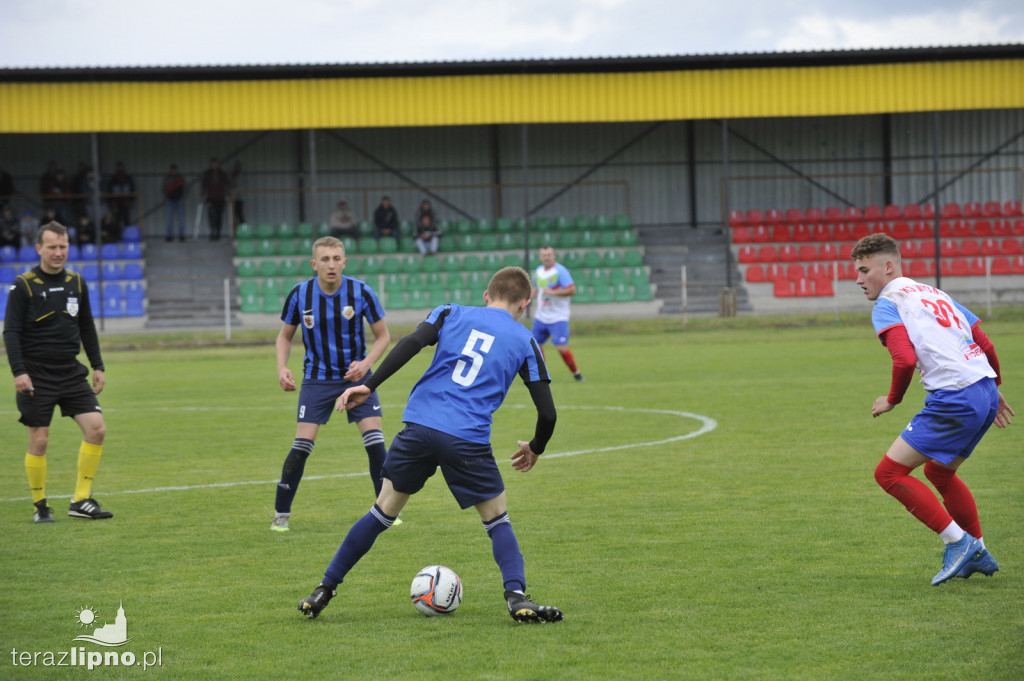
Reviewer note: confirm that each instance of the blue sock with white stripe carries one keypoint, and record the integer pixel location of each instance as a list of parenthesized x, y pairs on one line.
[(373, 440), (358, 541), (291, 474), (505, 548)]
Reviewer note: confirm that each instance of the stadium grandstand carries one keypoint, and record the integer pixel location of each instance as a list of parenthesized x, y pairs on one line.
[(711, 184)]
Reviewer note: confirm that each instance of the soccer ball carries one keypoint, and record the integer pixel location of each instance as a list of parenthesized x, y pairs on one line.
[(436, 590)]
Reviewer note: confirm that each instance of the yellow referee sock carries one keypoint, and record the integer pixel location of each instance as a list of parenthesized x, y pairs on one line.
[(88, 462), (35, 466)]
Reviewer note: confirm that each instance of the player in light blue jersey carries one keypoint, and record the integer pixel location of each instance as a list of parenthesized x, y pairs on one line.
[(479, 353), (331, 310), (923, 327)]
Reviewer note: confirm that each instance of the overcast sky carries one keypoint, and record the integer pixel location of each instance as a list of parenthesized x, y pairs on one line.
[(217, 32)]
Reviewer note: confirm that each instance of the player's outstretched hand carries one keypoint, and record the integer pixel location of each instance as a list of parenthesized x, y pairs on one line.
[(352, 397), (881, 406), (1003, 413), (524, 459)]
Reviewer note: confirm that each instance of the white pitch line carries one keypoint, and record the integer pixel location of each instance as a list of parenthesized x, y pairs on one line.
[(707, 425)]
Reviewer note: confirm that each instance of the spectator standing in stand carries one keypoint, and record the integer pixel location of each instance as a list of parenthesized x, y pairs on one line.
[(122, 188), (216, 187), (174, 193), (237, 202)]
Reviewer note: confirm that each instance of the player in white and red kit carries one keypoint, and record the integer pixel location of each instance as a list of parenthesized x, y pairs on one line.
[(925, 328), (553, 288)]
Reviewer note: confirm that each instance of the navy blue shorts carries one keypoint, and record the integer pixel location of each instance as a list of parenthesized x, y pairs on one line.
[(468, 467), (953, 422), (317, 399)]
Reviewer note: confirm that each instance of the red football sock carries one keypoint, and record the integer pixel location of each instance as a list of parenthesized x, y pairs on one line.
[(896, 480), (569, 360), (956, 497)]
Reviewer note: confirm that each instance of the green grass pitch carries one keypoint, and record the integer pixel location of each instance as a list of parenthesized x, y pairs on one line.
[(706, 510)]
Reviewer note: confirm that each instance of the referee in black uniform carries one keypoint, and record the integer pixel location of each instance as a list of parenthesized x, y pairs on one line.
[(48, 320)]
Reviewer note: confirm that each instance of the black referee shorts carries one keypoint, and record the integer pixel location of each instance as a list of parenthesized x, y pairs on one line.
[(66, 385)]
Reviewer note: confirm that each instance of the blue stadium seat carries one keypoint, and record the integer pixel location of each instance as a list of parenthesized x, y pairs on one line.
[(134, 300), (88, 252), (8, 254), (3, 301), (90, 271), (112, 271), (131, 250), (132, 270), (110, 251), (131, 234), (73, 253), (113, 300), (28, 254), (8, 273)]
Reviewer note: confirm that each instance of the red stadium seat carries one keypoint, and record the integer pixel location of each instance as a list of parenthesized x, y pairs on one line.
[(1012, 209), (1017, 264), (908, 249), (747, 254), (861, 230), (949, 248), (828, 251), (873, 213), (823, 286), (970, 248), (801, 232), (1002, 228), (923, 230), (819, 270), (962, 229), (993, 209), (742, 235), (773, 216), (755, 217), (852, 214), (808, 252), (951, 211), (901, 230), (978, 267), (761, 234), (912, 211), (736, 218), (783, 289), (1010, 246), (842, 232), (847, 271), (795, 271), (990, 247), (1001, 265), (774, 272), (780, 233), (1018, 227), (920, 268), (833, 214), (788, 253), (882, 228), (845, 250), (892, 212), (972, 210), (767, 254), (803, 288), (982, 228), (813, 215), (945, 229), (794, 215), (926, 248), (821, 232), (755, 274), (957, 267)]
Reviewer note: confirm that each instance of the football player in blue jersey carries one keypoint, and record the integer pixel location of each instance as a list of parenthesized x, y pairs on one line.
[(330, 309), (447, 419)]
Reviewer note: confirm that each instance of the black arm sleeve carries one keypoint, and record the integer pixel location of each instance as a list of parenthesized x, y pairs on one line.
[(87, 328), (404, 350), (15, 314), (540, 392)]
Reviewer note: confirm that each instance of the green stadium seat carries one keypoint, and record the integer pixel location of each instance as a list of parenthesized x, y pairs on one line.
[(627, 237), (412, 263), (365, 229), (251, 303), (414, 281), (353, 268), (383, 246), (463, 226), (563, 224), (450, 263), (264, 230), (407, 245), (584, 294), (405, 228), (592, 259), (371, 245), (446, 226), (488, 242), (287, 247), (272, 295), (490, 263), (622, 222), (285, 230), (471, 262), (322, 229), (393, 282), (582, 223), (396, 300), (289, 268), (541, 224), (614, 259), (459, 296), (512, 260), (249, 286), (465, 242), (245, 249), (433, 281), (447, 243), (588, 239), (602, 293), (598, 277), (636, 275), (633, 258), (571, 259), (268, 268), (477, 282), (266, 247), (484, 226), (510, 241), (437, 297), (617, 276), (417, 299), (568, 239), (534, 261), (431, 264), (305, 246), (371, 265), (608, 239), (350, 244), (304, 230), (603, 222), (245, 231), (503, 225), (390, 265), (247, 268), (622, 293), (455, 280), (642, 290)]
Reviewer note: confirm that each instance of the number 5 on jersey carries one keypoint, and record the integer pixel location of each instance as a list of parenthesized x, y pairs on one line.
[(460, 375)]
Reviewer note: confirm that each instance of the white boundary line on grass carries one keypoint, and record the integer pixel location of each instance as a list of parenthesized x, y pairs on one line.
[(707, 425)]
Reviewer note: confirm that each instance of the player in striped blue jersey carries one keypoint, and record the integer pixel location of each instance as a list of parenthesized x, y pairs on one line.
[(330, 309), (479, 353)]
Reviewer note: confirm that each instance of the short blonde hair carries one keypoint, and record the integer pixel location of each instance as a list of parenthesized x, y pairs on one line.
[(328, 242), (510, 284)]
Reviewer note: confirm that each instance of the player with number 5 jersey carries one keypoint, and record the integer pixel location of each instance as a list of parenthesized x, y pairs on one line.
[(479, 352), (924, 328)]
